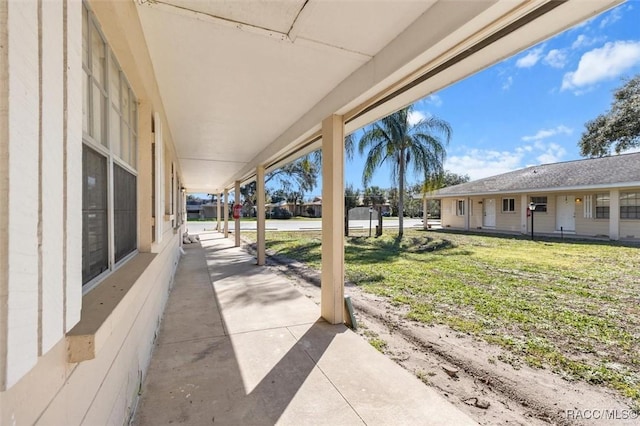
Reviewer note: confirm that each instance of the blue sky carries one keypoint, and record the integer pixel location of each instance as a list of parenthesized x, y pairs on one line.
[(531, 108)]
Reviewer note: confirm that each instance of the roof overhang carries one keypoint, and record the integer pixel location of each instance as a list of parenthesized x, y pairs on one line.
[(583, 188), (248, 83)]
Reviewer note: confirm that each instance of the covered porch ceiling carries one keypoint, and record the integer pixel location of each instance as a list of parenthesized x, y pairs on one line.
[(248, 82)]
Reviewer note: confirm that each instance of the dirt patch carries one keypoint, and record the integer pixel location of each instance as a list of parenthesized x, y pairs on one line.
[(481, 379)]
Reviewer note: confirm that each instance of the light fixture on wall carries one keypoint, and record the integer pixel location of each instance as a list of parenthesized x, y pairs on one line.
[(578, 200), (183, 189)]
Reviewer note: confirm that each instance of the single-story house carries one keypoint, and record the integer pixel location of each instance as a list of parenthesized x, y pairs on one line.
[(313, 208), (596, 197)]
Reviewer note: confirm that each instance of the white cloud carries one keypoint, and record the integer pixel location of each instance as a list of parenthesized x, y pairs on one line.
[(531, 58), (584, 40), (480, 163), (552, 154), (507, 83), (415, 116), (434, 100), (581, 24), (613, 16), (547, 133), (581, 41), (607, 62), (556, 58)]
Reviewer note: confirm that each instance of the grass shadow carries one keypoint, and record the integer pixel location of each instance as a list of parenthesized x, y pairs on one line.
[(429, 245), (378, 278), (541, 238), (305, 252), (367, 250)]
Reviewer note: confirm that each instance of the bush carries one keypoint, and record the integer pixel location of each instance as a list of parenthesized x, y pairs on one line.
[(280, 213)]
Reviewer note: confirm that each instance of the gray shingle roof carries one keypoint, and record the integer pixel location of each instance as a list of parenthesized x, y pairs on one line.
[(612, 171)]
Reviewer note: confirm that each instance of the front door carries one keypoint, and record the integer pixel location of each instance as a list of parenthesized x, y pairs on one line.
[(566, 213), (489, 220)]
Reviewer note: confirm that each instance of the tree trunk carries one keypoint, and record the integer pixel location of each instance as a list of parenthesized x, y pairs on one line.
[(401, 194)]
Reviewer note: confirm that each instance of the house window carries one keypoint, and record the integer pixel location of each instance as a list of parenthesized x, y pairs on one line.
[(109, 203), (630, 205), (459, 207), (602, 206), (508, 205), (541, 203)]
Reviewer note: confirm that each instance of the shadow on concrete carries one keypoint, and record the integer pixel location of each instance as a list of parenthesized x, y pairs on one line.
[(272, 396), (221, 377), (224, 357)]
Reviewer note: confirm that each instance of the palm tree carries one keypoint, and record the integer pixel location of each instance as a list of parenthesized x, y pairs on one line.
[(396, 141)]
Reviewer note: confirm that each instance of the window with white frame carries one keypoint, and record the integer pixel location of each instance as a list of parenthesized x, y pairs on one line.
[(630, 205), (109, 198), (541, 203), (460, 211), (508, 205), (602, 206)]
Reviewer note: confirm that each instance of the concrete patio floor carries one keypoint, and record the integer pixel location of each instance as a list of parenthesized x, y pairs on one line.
[(239, 345)]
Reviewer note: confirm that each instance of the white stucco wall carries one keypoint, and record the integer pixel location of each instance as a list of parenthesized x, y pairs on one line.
[(546, 222), (41, 173), (51, 183), (20, 283), (41, 222)]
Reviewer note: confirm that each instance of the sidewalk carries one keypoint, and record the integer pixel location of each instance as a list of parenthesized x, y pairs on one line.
[(239, 345)]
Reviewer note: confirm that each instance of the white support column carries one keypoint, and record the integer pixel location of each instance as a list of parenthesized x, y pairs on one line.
[(218, 210), (524, 203), (260, 213), (145, 186), (226, 213), (236, 230), (160, 171), (614, 214), (332, 281)]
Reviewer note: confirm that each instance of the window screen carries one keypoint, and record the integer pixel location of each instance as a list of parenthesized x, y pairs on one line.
[(95, 251), (124, 212)]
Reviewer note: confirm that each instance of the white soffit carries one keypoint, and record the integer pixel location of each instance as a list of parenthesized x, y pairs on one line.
[(234, 75), (274, 15)]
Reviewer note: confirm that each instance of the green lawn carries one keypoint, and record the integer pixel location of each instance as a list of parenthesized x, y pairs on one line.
[(573, 307)]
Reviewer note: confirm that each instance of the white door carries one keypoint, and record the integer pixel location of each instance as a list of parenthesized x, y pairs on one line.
[(566, 213), (489, 220)]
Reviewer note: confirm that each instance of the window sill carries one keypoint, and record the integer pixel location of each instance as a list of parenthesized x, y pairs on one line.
[(97, 321)]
